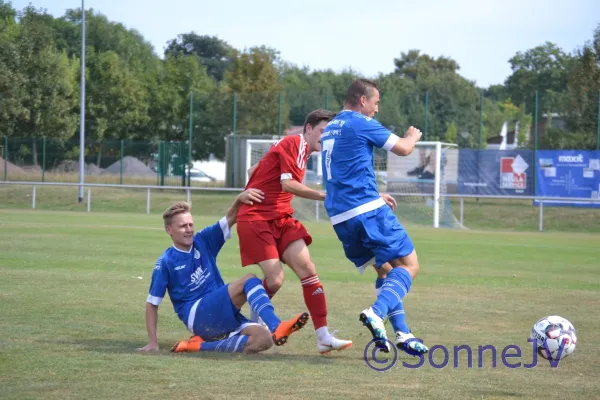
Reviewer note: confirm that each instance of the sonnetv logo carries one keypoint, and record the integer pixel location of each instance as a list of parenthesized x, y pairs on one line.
[(510, 356)]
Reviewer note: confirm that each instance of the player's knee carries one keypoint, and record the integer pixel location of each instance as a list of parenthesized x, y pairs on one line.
[(275, 280), (260, 340)]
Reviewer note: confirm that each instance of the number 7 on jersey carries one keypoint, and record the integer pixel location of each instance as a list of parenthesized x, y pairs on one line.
[(327, 149)]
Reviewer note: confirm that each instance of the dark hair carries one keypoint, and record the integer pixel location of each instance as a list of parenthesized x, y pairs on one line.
[(358, 88), (314, 117)]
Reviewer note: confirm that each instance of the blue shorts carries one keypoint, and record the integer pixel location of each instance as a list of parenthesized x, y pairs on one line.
[(374, 237), (216, 317)]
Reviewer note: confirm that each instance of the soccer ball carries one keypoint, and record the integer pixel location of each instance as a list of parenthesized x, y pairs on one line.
[(551, 332)]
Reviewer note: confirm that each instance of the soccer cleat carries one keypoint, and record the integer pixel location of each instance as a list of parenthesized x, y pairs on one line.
[(286, 328), (376, 327), (333, 343), (187, 346), (410, 344)]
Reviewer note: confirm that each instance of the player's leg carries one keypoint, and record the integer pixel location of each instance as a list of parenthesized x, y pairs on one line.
[(259, 246), (391, 244), (250, 288), (297, 257), (350, 233)]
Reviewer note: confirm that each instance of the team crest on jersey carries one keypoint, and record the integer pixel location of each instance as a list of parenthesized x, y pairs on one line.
[(196, 254)]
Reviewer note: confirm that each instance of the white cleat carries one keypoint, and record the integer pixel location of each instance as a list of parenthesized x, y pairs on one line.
[(333, 343), (376, 327), (410, 344)]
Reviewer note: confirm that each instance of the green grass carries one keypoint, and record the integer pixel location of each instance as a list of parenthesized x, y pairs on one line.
[(72, 315)]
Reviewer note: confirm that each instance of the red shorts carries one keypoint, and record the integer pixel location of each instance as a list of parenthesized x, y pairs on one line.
[(265, 240)]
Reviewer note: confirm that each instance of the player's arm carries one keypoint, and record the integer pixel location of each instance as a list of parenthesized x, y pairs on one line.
[(296, 188), (291, 169), (405, 146), (158, 289), (249, 197), (151, 324), (375, 133)]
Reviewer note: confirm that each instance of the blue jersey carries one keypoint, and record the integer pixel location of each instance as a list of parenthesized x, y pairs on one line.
[(347, 160), (190, 275)]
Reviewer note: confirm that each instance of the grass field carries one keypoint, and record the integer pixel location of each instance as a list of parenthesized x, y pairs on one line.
[(72, 315)]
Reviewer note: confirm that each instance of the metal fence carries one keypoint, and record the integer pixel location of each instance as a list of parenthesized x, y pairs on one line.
[(316, 216)]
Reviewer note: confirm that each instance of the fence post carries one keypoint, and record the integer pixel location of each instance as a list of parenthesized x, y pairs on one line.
[(5, 158), (233, 149), (462, 212), (162, 156), (89, 199), (279, 121), (189, 168), (598, 118), (535, 143), (148, 201), (188, 195), (481, 120), (426, 112), (121, 179), (33, 198), (541, 215), (317, 210), (44, 159)]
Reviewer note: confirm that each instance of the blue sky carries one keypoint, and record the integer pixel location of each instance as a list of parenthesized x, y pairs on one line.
[(481, 35)]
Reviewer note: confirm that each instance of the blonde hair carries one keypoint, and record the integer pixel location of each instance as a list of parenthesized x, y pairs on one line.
[(177, 208)]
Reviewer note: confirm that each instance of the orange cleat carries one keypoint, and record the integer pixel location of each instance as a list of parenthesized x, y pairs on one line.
[(188, 346), (286, 328)]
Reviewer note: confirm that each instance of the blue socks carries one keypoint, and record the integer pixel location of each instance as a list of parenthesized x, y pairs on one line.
[(260, 303), (396, 315), (234, 344), (395, 286)]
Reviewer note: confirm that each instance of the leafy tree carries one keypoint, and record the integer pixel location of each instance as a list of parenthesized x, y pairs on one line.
[(543, 68), (213, 53), (255, 81)]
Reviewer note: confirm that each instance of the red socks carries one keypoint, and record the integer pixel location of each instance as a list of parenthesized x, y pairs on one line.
[(314, 297)]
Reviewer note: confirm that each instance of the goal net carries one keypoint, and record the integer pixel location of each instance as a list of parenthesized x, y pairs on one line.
[(417, 182)]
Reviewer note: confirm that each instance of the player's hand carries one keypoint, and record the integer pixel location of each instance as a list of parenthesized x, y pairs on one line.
[(149, 347), (389, 200), (413, 133), (251, 196)]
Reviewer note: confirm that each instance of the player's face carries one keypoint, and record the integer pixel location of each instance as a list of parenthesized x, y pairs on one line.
[(181, 230), (313, 136), (371, 105)]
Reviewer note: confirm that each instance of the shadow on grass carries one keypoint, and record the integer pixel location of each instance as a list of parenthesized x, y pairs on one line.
[(120, 346)]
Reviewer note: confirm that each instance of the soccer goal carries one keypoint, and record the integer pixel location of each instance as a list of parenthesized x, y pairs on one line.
[(417, 181)]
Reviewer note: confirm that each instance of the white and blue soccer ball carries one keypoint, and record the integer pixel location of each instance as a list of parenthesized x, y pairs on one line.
[(552, 333)]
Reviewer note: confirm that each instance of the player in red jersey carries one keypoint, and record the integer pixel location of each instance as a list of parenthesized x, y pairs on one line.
[(269, 235)]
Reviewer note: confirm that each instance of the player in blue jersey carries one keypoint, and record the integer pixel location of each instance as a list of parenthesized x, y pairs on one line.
[(366, 226), (208, 307)]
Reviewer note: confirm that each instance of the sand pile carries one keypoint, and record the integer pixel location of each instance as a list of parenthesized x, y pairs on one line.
[(131, 167), (12, 168)]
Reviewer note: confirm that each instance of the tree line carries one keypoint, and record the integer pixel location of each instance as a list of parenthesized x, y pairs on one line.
[(132, 93)]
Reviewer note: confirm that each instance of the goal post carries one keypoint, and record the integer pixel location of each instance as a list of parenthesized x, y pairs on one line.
[(418, 182)]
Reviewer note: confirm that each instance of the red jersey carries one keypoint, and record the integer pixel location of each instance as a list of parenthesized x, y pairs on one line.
[(286, 159)]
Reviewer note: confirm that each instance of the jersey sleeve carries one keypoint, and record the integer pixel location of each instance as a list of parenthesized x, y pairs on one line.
[(292, 153), (215, 236), (159, 282), (373, 132)]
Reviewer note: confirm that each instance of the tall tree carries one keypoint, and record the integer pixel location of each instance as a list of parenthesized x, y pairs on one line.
[(254, 79), (213, 53), (543, 68), (49, 89), (12, 77)]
